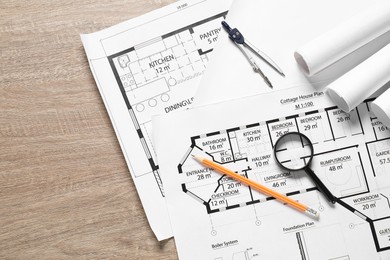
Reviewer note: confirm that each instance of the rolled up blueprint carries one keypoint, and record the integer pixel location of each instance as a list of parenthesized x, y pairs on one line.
[(332, 46), (365, 79), (381, 108)]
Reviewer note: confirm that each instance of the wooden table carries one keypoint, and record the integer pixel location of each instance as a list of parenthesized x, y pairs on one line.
[(65, 189)]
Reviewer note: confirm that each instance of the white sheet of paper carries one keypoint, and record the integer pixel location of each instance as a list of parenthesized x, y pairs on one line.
[(214, 217), (150, 65), (344, 39), (278, 28), (361, 82)]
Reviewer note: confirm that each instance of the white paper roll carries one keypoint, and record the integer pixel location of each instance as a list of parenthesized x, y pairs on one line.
[(365, 79), (381, 108), (344, 39)]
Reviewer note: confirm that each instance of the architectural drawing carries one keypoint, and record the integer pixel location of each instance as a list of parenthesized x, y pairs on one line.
[(151, 78), (148, 66), (341, 140), (351, 157)]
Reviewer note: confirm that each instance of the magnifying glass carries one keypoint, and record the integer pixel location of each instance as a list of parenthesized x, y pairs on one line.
[(294, 152)]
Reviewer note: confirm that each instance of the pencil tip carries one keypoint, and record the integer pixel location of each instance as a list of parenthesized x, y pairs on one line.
[(195, 157)]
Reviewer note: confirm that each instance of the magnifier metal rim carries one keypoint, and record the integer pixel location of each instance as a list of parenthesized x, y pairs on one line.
[(309, 143)]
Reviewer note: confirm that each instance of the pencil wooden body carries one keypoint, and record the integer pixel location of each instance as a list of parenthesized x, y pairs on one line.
[(259, 187)]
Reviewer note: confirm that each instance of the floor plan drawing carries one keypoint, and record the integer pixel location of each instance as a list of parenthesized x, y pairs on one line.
[(351, 157), (248, 149), (151, 76), (148, 66)]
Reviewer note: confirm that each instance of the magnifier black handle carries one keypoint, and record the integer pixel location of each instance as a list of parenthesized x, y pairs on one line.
[(321, 185)]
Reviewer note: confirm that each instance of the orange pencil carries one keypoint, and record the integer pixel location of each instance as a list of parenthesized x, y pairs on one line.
[(299, 206)]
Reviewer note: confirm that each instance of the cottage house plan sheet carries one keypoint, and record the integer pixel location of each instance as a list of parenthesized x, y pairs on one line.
[(215, 217)]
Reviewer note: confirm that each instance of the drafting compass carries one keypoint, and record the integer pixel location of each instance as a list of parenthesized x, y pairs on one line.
[(238, 39)]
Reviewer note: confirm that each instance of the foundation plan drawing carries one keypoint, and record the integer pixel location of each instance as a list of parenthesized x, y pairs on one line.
[(147, 66), (224, 219)]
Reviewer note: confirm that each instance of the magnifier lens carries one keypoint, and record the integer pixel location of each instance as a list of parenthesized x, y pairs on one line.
[(293, 151)]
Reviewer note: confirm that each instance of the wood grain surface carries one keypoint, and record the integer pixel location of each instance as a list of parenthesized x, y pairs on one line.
[(65, 189)]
